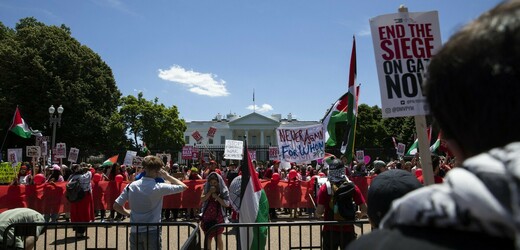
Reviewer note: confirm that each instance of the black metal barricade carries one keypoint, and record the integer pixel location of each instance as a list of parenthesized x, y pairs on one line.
[(284, 235), (113, 235)]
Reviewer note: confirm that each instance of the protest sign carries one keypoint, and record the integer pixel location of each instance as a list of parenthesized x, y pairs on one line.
[(400, 149), (211, 132), (73, 155), (137, 161), (129, 157), (8, 172), (14, 155), (61, 150), (403, 45), (187, 152), (301, 144), (195, 153), (197, 136), (233, 150), (360, 156), (166, 158), (41, 141), (273, 153), (252, 154), (32, 151)]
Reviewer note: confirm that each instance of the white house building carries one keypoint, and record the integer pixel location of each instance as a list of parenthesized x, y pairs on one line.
[(260, 131)]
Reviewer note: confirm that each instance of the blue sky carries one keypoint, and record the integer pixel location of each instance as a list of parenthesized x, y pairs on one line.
[(206, 57)]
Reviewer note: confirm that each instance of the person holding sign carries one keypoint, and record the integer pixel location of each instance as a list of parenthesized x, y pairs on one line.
[(473, 90)]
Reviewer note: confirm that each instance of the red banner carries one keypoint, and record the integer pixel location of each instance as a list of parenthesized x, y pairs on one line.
[(43, 198), (187, 152), (197, 136)]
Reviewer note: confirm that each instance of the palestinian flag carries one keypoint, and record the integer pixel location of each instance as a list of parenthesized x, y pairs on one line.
[(254, 207), (415, 146), (347, 145), (436, 144), (413, 149), (111, 160), (20, 128)]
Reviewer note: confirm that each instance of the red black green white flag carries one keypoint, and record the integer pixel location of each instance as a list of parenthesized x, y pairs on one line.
[(20, 128)]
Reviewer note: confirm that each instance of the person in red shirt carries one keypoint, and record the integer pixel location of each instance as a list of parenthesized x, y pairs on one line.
[(337, 236), (436, 177)]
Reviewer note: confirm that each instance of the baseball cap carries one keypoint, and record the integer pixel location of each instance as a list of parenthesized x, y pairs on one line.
[(385, 188)]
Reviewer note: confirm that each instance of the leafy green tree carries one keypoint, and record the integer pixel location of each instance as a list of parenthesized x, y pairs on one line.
[(153, 123), (44, 65), (370, 130)]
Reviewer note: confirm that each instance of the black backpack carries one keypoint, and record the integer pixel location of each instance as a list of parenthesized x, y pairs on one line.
[(341, 202), (73, 191)]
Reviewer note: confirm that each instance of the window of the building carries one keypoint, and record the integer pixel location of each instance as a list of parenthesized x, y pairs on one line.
[(210, 140), (187, 139), (253, 140), (222, 140), (268, 140)]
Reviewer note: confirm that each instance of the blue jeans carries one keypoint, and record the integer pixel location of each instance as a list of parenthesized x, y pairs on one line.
[(146, 240)]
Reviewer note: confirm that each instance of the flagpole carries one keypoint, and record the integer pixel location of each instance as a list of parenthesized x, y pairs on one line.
[(7, 132), (420, 127)]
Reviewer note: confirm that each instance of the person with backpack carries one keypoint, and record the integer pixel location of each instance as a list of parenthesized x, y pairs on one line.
[(81, 210), (336, 203)]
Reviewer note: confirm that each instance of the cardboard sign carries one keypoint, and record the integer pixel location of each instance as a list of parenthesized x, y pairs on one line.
[(33, 151), (73, 155), (196, 135), (211, 132), (403, 45), (61, 150), (233, 150)]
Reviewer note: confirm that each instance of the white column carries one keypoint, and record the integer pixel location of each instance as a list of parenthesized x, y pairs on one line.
[(261, 137)]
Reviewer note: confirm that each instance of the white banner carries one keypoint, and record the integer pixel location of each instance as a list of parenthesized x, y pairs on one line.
[(129, 157), (73, 155), (301, 144), (233, 150), (403, 45)]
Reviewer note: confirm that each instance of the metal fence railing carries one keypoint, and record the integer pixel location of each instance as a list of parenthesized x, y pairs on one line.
[(114, 235), (285, 235), (175, 235)]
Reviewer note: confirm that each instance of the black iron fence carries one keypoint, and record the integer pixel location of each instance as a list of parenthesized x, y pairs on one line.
[(178, 235), (115, 235), (285, 235)]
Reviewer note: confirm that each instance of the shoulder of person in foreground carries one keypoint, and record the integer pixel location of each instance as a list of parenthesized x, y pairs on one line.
[(475, 199), (428, 238)]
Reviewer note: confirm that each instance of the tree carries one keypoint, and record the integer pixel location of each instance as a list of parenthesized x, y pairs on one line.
[(44, 65), (153, 123)]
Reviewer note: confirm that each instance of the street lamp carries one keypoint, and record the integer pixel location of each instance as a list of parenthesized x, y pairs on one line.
[(53, 120)]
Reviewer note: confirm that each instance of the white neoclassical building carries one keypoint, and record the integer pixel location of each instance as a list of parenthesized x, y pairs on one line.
[(260, 131)]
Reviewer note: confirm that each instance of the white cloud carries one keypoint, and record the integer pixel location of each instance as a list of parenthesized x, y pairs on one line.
[(263, 109), (198, 83), (364, 32)]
